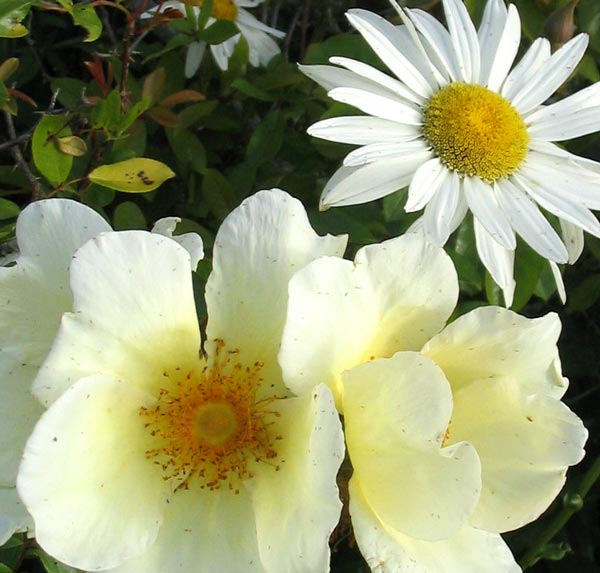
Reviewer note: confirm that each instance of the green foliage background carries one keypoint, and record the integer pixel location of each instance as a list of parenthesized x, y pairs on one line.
[(94, 84)]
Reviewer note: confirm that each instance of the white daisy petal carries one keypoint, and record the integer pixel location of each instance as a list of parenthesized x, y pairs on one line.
[(378, 77), (529, 66), (560, 285), (528, 221), (539, 87), (379, 106), (573, 237), (441, 208), (222, 52), (484, 206), (261, 47), (497, 260), (384, 151), (193, 58), (380, 35), (499, 37), (425, 183), (362, 130), (437, 43), (464, 40), (246, 20), (562, 204), (563, 179), (355, 185), (408, 41), (570, 117), (331, 77)]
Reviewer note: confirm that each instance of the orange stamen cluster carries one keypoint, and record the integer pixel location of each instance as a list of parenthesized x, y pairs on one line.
[(209, 426)]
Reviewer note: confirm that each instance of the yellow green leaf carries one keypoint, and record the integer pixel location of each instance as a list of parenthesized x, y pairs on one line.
[(72, 145), (8, 68), (137, 175)]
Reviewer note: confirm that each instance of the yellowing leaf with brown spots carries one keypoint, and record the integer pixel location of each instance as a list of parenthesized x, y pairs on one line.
[(137, 175)]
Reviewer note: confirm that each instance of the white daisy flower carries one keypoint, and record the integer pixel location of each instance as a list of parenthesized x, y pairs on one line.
[(158, 457), (34, 294), (261, 46), (455, 433), (465, 130)]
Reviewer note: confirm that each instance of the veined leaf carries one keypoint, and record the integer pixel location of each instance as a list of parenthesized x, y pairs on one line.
[(51, 162)]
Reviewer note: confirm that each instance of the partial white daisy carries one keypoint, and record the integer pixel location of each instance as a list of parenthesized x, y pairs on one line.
[(455, 433), (464, 131), (261, 46), (34, 293), (158, 456)]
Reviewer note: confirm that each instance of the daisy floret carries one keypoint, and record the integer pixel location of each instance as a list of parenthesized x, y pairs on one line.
[(464, 129), (261, 46), (455, 433), (159, 457)]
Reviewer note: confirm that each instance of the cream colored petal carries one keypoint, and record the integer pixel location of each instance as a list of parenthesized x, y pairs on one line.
[(298, 506), (191, 242), (14, 518), (19, 411), (258, 248), (396, 413), (35, 292), (395, 297), (134, 315), (469, 550), (491, 341), (525, 443), (94, 496), (203, 531)]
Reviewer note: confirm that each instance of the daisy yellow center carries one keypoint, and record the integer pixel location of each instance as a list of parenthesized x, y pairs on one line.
[(210, 426), (475, 131), (224, 10)]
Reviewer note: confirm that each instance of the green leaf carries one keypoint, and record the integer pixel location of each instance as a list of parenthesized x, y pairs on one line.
[(107, 114), (188, 148), (4, 95), (204, 13), (528, 268), (267, 139), (585, 294), (5, 569), (54, 165), (8, 6), (218, 32), (245, 87), (127, 120), (70, 90), (138, 175), (8, 209), (85, 16), (127, 216), (10, 18), (218, 193), (8, 68)]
